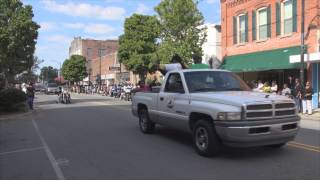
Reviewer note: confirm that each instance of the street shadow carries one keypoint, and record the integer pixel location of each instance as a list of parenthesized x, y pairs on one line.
[(185, 139), (75, 101), (171, 135)]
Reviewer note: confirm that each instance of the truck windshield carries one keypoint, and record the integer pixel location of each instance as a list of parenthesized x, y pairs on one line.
[(207, 81)]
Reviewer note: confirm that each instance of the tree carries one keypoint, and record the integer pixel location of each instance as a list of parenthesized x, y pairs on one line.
[(30, 74), (74, 69), (48, 73), (18, 35), (137, 46), (182, 30)]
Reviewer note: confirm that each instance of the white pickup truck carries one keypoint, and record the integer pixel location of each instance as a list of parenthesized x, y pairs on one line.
[(218, 108)]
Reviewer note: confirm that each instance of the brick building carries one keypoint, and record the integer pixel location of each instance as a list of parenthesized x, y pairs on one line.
[(261, 39), (104, 50)]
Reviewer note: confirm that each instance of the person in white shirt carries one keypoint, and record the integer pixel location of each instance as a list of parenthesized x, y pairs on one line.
[(286, 91), (24, 87), (274, 87), (259, 87)]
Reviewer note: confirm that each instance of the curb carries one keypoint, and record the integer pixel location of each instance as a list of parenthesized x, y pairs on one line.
[(15, 115)]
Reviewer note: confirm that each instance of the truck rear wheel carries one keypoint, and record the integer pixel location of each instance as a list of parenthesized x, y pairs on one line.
[(145, 124), (205, 139)]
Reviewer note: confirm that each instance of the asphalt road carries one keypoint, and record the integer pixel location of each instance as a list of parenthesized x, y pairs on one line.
[(97, 138)]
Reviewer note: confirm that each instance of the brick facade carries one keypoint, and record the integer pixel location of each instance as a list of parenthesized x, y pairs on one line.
[(230, 11), (90, 49), (231, 8)]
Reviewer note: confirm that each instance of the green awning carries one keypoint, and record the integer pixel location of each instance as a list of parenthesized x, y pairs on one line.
[(200, 66), (262, 61)]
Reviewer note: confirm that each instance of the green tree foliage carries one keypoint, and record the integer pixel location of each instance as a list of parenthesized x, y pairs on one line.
[(182, 30), (18, 34), (30, 74), (137, 46), (48, 73), (74, 69)]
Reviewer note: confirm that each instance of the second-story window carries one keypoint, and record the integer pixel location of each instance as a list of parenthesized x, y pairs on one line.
[(102, 52), (287, 17), (240, 29), (89, 53), (262, 24)]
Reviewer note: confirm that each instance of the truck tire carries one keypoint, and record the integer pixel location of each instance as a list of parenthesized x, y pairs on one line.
[(205, 140), (145, 124)]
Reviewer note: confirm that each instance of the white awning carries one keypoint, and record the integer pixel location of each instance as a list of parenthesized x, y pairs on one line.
[(312, 57), (107, 76), (86, 79)]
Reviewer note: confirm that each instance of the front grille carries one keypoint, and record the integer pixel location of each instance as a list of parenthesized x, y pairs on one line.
[(259, 114), (267, 111), (284, 105), (285, 113), (259, 107)]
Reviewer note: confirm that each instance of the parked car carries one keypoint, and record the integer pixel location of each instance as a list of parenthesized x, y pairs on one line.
[(52, 88), (39, 87), (219, 109)]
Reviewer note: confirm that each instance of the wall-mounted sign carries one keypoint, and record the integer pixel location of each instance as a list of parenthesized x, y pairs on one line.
[(114, 68)]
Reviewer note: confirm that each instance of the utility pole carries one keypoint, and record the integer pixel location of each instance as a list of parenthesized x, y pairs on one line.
[(60, 72), (100, 67), (302, 44)]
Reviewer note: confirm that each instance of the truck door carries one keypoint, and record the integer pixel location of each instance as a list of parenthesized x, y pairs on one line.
[(172, 102)]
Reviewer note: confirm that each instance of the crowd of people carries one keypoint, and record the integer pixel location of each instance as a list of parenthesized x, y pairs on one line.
[(302, 94), (122, 91)]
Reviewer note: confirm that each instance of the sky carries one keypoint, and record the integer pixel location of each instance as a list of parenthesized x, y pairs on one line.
[(62, 20)]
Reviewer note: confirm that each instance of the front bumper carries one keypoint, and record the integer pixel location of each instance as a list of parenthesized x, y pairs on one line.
[(257, 133), (52, 90)]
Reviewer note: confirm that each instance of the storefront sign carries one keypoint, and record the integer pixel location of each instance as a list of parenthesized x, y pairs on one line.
[(114, 68), (108, 76), (312, 57)]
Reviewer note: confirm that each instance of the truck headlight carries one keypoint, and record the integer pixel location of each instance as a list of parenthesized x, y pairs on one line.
[(232, 116)]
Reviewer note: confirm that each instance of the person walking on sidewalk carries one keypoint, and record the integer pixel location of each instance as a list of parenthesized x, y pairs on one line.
[(298, 94), (307, 99), (30, 95)]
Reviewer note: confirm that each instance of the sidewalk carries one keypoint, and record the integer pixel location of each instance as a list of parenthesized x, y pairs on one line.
[(311, 121)]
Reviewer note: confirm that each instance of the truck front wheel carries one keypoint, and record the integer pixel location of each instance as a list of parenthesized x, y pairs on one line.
[(145, 124), (205, 139)]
